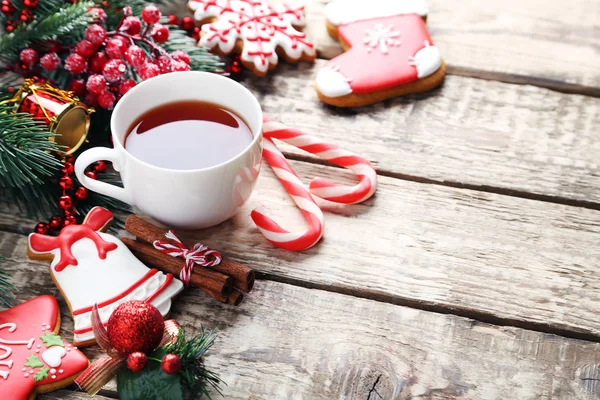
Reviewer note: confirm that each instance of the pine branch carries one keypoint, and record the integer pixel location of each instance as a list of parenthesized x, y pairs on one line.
[(200, 58)]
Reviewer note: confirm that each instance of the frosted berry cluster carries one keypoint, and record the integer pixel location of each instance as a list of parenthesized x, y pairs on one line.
[(105, 65)]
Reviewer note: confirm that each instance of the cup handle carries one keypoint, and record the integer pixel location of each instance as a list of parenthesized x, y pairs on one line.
[(89, 157)]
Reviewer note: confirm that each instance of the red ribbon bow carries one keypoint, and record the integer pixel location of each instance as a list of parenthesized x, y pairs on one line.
[(199, 255)]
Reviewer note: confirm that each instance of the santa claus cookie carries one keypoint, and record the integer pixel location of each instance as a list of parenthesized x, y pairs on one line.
[(254, 28), (90, 267), (33, 358), (390, 52)]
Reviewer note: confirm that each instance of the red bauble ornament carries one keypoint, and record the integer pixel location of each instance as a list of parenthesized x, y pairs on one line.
[(41, 228), (68, 168), (29, 57), (65, 202), (95, 34), (91, 174), (30, 3), (160, 33), (75, 64), (100, 166), (151, 15), (187, 23), (85, 48), (81, 193), (56, 222), (50, 62), (171, 363), (65, 183), (135, 326), (137, 361), (132, 25)]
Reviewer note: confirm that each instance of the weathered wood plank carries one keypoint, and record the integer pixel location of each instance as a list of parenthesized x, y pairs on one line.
[(288, 342), (519, 41), (496, 258), (482, 134), (69, 395)]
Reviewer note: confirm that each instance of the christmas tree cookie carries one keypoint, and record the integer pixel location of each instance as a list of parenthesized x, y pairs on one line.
[(91, 267), (33, 357), (389, 52)]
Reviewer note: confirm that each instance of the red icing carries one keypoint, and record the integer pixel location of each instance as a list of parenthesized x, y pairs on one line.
[(97, 219), (373, 71), (29, 317)]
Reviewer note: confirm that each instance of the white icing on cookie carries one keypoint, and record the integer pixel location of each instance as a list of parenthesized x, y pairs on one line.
[(53, 356), (341, 12), (427, 60), (331, 83)]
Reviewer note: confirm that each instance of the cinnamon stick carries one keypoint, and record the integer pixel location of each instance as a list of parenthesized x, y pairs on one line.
[(235, 298), (203, 278), (243, 276)]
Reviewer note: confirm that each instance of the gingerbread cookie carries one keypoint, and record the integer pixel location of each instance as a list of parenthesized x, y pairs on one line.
[(257, 30), (33, 358), (390, 52), (91, 267)]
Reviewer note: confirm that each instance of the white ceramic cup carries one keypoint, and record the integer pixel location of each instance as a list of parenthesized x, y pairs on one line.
[(186, 199)]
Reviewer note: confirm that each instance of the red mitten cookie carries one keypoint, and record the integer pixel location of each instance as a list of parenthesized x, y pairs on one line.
[(90, 267), (256, 29), (390, 52), (33, 358)]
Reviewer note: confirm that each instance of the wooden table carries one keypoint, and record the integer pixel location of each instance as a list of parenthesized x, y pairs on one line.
[(474, 273)]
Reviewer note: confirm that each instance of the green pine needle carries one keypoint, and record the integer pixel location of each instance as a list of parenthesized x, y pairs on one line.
[(194, 376)]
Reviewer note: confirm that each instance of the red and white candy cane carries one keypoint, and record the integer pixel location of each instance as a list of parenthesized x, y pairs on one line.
[(324, 188), (319, 187), (294, 241)]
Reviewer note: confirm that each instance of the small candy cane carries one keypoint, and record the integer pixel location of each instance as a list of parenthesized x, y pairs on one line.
[(324, 188), (294, 241)]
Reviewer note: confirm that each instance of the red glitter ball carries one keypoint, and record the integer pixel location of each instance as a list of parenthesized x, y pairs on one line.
[(68, 168), (56, 222), (81, 193), (41, 228), (65, 183), (50, 61), (65, 202), (171, 363), (135, 326), (151, 14), (187, 23), (137, 361), (160, 33)]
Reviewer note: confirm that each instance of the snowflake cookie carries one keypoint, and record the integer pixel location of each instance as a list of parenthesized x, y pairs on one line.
[(254, 28), (33, 357), (390, 52)]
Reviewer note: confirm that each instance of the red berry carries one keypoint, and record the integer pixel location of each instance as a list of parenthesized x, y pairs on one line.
[(41, 228), (91, 100), (92, 174), (50, 61), (97, 62), (25, 16), (135, 56), (164, 64), (85, 48), (116, 47), (196, 33), (126, 86), (187, 23), (95, 34), (31, 3), (105, 100), (114, 70), (160, 33), (173, 20), (75, 64), (171, 363), (96, 84), (137, 361), (53, 46), (65, 183), (77, 86), (56, 222), (180, 66), (181, 56), (29, 57), (98, 14), (68, 168), (70, 220), (151, 14), (132, 25), (149, 70), (81, 193), (65, 202), (100, 166)]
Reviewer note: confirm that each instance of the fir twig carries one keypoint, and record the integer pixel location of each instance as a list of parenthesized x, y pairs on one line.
[(194, 376)]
